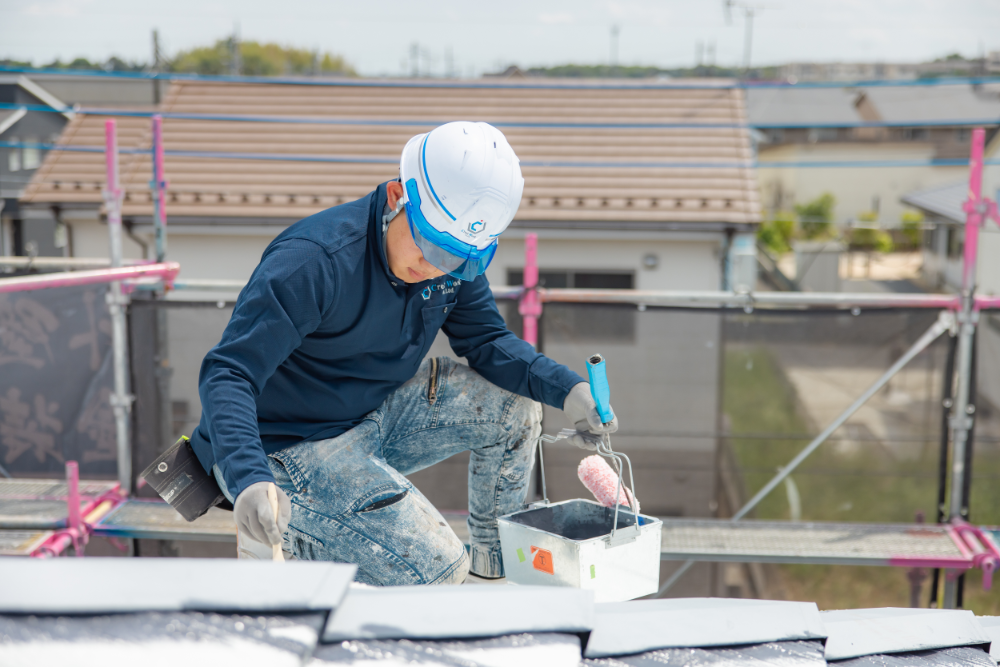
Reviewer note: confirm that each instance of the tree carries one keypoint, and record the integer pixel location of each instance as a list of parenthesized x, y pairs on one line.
[(815, 216), (259, 60), (776, 234), (913, 228), (112, 64)]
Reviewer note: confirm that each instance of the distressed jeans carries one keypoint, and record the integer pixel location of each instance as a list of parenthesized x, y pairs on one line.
[(352, 504)]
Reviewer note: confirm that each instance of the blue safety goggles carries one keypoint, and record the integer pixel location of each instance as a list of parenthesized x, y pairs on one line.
[(441, 249)]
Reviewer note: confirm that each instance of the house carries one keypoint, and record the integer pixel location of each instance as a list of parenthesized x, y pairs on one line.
[(29, 130), (924, 143), (623, 186), (37, 231), (944, 236), (588, 173)]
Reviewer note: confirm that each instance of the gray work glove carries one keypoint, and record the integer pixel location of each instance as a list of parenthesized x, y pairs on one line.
[(253, 514), (581, 409)]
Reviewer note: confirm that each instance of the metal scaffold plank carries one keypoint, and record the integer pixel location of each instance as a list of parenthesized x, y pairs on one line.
[(50, 488), (40, 504), (22, 542), (721, 540), (31, 513), (153, 519)]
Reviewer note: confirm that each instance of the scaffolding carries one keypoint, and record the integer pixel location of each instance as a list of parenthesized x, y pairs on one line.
[(41, 518)]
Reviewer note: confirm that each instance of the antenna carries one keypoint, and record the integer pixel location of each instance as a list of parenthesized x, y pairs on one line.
[(614, 45), (749, 11), (235, 56)]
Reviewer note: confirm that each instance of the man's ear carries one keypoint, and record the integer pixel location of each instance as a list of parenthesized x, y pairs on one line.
[(394, 192)]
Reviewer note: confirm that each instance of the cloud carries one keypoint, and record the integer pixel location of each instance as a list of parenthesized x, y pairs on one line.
[(869, 34), (556, 19), (55, 8)]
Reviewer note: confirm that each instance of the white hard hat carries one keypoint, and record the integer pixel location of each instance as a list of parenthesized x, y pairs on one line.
[(462, 185)]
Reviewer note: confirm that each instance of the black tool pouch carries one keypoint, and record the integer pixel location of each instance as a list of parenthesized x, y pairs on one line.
[(179, 478)]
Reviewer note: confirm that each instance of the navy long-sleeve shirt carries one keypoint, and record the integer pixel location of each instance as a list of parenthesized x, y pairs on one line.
[(323, 332)]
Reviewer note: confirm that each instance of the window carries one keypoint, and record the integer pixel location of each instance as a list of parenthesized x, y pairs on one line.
[(577, 279), (915, 134), (817, 134), (956, 242), (579, 322), (962, 135), (13, 159), (32, 156)]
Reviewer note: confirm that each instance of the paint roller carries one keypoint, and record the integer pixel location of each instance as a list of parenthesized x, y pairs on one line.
[(594, 471), (601, 480)]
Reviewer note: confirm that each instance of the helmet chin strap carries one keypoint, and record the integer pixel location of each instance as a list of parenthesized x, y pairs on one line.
[(391, 215), (386, 219)]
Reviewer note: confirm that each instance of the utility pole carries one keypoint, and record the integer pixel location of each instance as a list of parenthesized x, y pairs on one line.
[(749, 11), (415, 60), (748, 40), (157, 58), (614, 47), (235, 57)]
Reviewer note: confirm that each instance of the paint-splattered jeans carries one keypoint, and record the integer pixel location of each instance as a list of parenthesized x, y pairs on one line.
[(351, 502)]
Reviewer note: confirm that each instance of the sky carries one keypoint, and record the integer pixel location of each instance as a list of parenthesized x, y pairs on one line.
[(377, 37)]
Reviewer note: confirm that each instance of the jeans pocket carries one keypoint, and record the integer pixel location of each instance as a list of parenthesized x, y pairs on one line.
[(384, 502), (286, 472), (380, 498)]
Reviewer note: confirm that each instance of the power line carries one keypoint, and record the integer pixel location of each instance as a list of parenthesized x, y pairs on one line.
[(369, 83), (420, 122)]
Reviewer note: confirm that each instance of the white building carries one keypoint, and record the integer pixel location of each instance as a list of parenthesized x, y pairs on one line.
[(925, 143)]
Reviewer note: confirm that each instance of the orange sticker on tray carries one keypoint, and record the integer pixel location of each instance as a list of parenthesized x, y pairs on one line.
[(541, 560)]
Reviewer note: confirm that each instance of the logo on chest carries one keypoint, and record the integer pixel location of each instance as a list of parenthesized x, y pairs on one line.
[(447, 287)]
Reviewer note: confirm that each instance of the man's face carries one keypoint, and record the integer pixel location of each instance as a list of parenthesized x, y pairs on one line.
[(405, 259)]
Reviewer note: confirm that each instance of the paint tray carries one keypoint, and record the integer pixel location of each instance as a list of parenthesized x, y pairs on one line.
[(582, 544)]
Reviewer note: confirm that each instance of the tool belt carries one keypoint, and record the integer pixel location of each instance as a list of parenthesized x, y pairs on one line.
[(178, 476)]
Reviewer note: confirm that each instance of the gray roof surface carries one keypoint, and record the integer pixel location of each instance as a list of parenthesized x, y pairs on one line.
[(941, 200), (519, 650), (991, 624), (859, 632), (644, 625), (785, 654), (64, 611), (962, 656), (440, 612), (110, 585), (4, 115), (779, 107)]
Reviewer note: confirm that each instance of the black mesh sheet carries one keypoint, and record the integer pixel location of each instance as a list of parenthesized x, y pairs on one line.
[(55, 382)]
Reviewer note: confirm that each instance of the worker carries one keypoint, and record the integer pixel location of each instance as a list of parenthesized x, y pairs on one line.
[(320, 384)]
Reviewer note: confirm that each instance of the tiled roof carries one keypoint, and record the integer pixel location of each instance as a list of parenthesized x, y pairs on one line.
[(778, 107), (588, 153)]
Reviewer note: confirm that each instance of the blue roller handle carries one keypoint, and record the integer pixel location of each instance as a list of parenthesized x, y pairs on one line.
[(599, 387)]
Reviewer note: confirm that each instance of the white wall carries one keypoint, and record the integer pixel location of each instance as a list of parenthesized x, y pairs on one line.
[(988, 264), (853, 187), (90, 238), (686, 261)]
